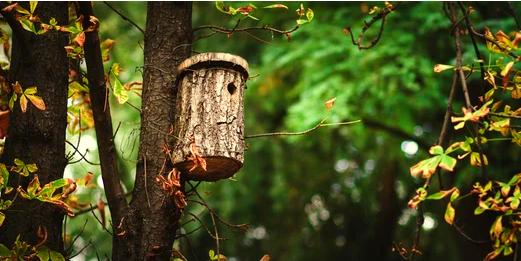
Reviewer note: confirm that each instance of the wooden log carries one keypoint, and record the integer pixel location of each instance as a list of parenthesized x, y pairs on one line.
[(209, 122)]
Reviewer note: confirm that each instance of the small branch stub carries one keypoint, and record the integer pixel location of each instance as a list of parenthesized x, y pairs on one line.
[(210, 116)]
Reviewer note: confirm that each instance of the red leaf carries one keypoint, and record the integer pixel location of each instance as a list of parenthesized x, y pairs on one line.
[(80, 39)]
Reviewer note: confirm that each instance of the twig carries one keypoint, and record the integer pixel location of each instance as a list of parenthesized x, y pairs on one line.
[(461, 232), (464, 87), (380, 16), (444, 133), (466, 13), (320, 124), (76, 238), (504, 115), (493, 41), (124, 17), (82, 155)]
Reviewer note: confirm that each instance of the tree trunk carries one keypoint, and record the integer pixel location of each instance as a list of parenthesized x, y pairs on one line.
[(38, 136), (149, 229)]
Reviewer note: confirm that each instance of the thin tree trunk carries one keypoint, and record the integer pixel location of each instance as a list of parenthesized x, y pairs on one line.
[(38, 136), (149, 229)]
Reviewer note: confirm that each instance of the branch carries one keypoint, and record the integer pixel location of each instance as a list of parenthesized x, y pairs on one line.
[(493, 41), (102, 119), (124, 17), (380, 16), (464, 87), (466, 13), (396, 132), (247, 30), (284, 133)]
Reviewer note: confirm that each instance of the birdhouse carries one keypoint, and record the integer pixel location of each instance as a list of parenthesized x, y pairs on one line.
[(209, 123)]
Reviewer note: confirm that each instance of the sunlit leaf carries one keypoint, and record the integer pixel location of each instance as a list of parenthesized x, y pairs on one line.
[(276, 6), (310, 14), (455, 195), (330, 103), (302, 21), (32, 5), (23, 103), (2, 218), (440, 194), (37, 101), (33, 187), (425, 168), (497, 227), (12, 100), (119, 91), (507, 68), (442, 67), (27, 25), (80, 39), (447, 162), (450, 213)]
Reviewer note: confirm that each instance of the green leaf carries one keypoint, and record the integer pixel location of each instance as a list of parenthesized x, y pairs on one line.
[(447, 162), (514, 180), (33, 5), (33, 187), (32, 167), (441, 194), (425, 168), (56, 256), (43, 253), (310, 14), (436, 150), (224, 8), (14, 97), (276, 6), (27, 25), (53, 22), (5, 204), (4, 176), (2, 218), (514, 204), (302, 21), (30, 90), (450, 213), (119, 91), (211, 254), (4, 251), (455, 195)]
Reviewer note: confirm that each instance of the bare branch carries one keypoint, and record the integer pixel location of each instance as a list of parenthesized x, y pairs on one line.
[(102, 118), (284, 133), (124, 17), (380, 16)]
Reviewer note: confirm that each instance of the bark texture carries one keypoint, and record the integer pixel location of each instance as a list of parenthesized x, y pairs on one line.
[(38, 136), (210, 116), (149, 228)]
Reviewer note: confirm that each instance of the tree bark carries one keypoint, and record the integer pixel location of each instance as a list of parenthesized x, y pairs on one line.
[(102, 119), (38, 136), (149, 229)]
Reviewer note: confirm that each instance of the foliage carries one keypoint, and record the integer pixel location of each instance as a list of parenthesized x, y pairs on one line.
[(338, 193)]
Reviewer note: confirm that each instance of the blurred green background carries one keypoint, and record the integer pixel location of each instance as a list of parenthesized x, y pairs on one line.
[(338, 193)]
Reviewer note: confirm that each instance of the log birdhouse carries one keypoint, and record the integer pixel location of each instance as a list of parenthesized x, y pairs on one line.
[(210, 116)]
